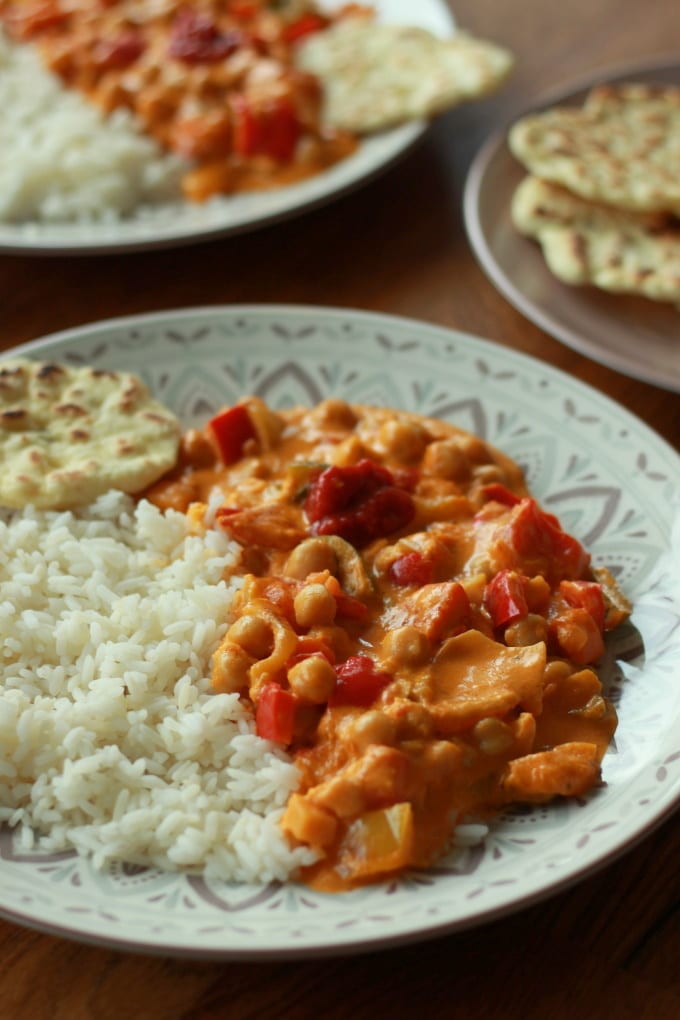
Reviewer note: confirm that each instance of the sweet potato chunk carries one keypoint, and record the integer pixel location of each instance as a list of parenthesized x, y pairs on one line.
[(567, 770)]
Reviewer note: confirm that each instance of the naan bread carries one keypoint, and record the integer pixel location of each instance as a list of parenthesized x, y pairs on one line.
[(68, 434), (585, 243), (376, 75), (622, 148)]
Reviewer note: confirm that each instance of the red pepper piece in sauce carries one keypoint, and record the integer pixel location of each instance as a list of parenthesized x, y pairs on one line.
[(275, 713), (359, 682), (499, 493), (539, 541), (231, 429), (308, 646), (585, 595), (358, 503), (242, 9), (303, 26), (247, 134), (196, 39), (347, 605), (505, 597), (121, 51), (280, 130), (411, 568), (34, 18)]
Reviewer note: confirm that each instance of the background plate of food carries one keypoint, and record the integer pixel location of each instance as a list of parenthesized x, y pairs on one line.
[(181, 124), (586, 251), (113, 741)]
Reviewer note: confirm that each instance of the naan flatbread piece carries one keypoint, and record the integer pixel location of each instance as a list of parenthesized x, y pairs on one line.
[(68, 434), (622, 148), (378, 75), (585, 243)]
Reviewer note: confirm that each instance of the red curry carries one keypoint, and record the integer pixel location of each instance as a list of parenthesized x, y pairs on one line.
[(213, 80), (412, 625)]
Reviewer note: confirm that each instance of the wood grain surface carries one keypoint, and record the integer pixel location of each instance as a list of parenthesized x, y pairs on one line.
[(607, 948)]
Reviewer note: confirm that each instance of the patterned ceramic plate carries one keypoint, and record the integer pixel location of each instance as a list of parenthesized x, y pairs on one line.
[(183, 223), (612, 481), (632, 334)]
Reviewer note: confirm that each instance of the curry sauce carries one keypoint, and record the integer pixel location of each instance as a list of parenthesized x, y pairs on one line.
[(412, 626)]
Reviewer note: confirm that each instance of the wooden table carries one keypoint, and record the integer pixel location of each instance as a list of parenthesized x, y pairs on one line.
[(607, 948)]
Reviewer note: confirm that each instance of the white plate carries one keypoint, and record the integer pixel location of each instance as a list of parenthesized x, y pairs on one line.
[(614, 483), (634, 335), (182, 223)]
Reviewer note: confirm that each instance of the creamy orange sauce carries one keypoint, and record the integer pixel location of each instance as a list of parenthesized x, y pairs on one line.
[(412, 626)]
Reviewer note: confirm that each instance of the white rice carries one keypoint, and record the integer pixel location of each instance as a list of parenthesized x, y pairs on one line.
[(110, 740), (62, 160)]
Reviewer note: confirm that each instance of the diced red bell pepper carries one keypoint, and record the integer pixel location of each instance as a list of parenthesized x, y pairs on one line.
[(347, 605), (242, 9), (359, 682), (308, 646), (31, 19), (305, 25), (231, 429), (121, 51), (411, 568), (281, 130), (538, 536), (196, 39), (498, 493), (275, 713), (505, 597), (247, 132), (585, 595), (359, 503)]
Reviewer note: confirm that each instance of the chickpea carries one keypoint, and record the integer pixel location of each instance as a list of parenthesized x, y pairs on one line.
[(310, 557), (493, 736), (529, 631), (230, 669), (405, 645), (314, 606), (413, 720), (333, 413), (405, 440), (445, 758), (337, 639), (373, 727), (486, 473), (312, 679), (556, 672), (473, 448), (196, 449), (253, 634), (537, 593), (445, 459)]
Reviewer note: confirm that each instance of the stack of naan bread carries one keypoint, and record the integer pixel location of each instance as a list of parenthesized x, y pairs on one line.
[(602, 196)]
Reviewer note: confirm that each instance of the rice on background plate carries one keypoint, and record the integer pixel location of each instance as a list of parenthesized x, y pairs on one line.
[(111, 740), (63, 159)]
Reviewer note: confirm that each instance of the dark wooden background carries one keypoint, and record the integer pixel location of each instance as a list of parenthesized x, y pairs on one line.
[(607, 948)]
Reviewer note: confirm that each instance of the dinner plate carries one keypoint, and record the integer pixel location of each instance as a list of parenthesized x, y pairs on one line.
[(613, 482), (181, 223), (634, 335)]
